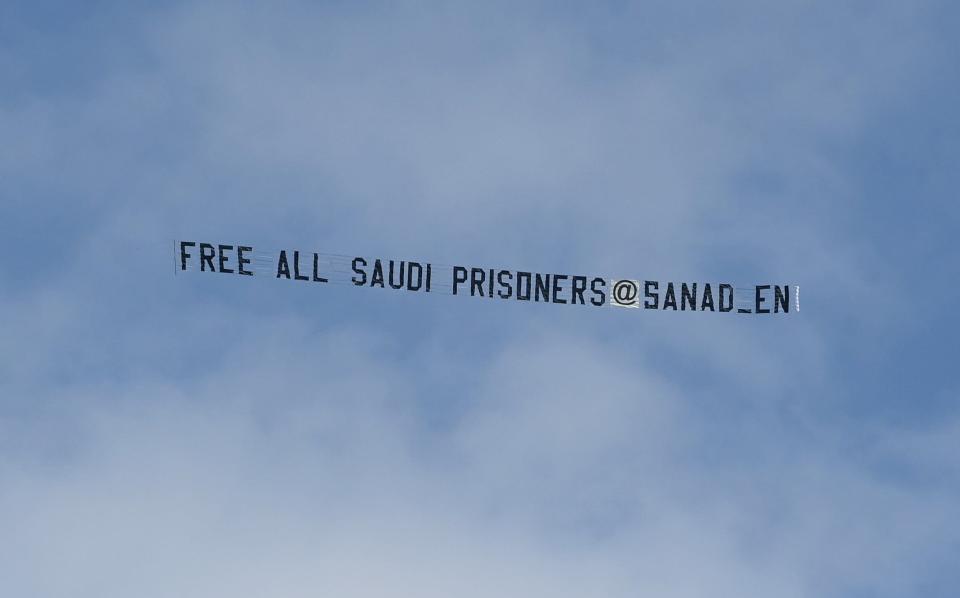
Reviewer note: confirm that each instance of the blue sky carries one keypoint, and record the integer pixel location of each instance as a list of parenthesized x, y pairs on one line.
[(198, 435)]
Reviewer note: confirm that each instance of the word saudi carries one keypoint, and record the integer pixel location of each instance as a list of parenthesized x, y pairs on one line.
[(488, 283)]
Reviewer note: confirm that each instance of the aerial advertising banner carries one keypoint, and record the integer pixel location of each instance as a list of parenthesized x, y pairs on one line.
[(310, 267)]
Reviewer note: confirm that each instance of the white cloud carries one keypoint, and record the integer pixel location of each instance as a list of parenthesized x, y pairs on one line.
[(297, 468)]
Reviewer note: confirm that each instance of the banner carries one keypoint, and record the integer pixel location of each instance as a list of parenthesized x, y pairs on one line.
[(501, 284)]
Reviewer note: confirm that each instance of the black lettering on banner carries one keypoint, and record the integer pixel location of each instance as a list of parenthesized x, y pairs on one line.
[(688, 295), (241, 261), (781, 299), (316, 269), (725, 307), (457, 278), (377, 277), (395, 285), (557, 278), (296, 267), (560, 289), (521, 278), (647, 285), (505, 285), (222, 250), (578, 284), (410, 267), (707, 298), (283, 268), (760, 299), (543, 288), (207, 258), (670, 299), (599, 296), (183, 253), (476, 282), (359, 261)]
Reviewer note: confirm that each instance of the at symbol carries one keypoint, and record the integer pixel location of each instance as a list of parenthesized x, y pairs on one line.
[(625, 291)]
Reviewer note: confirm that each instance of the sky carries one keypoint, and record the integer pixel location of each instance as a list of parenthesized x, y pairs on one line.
[(196, 435)]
